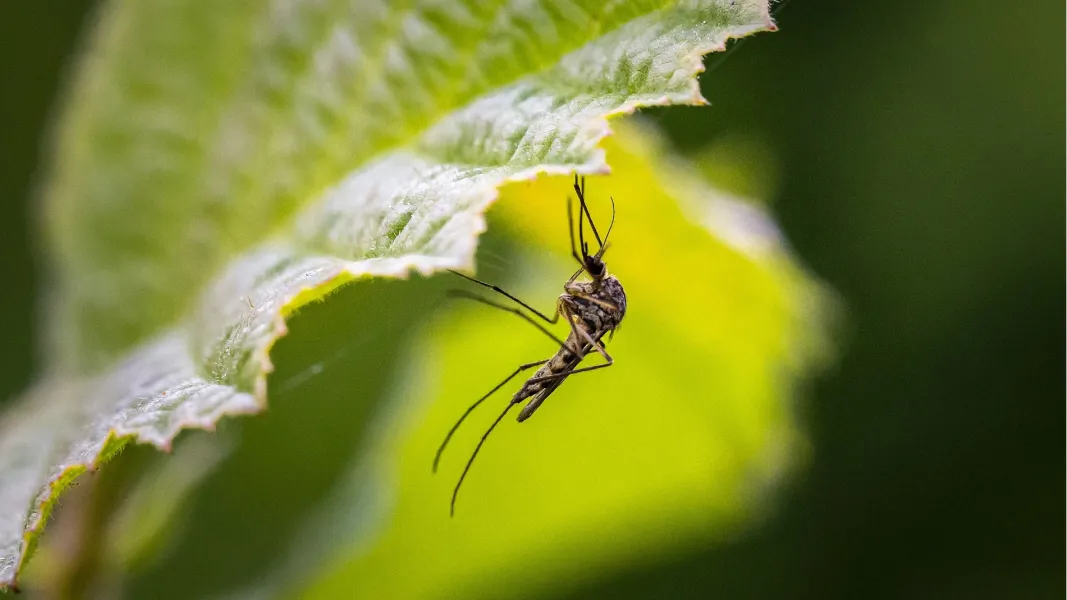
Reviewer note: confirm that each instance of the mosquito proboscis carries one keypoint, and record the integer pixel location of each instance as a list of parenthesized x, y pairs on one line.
[(592, 308)]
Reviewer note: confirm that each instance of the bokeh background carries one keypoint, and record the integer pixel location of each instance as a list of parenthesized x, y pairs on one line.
[(920, 148)]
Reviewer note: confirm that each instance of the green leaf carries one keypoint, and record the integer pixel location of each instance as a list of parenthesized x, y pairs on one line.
[(220, 165)]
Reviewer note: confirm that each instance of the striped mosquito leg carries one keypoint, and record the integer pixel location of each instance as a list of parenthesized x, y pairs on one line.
[(469, 410), (499, 290), (470, 296)]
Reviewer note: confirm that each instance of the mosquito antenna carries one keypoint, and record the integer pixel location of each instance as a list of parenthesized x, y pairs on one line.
[(455, 492), (585, 208), (604, 247)]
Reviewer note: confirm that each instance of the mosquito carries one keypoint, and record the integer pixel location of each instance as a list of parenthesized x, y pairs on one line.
[(593, 309)]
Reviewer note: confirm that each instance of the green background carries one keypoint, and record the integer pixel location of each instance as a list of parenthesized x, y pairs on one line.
[(921, 160)]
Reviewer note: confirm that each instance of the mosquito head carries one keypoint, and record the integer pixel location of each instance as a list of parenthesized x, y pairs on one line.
[(596, 269)]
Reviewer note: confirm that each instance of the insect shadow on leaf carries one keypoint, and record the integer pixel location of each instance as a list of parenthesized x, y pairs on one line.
[(592, 309)]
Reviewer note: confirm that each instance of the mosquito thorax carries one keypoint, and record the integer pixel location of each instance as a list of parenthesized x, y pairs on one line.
[(600, 303), (611, 290)]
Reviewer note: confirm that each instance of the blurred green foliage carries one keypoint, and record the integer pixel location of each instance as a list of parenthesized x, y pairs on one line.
[(922, 156)]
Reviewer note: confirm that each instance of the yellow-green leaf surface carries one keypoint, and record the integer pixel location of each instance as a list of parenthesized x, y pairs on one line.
[(681, 441), (220, 164)]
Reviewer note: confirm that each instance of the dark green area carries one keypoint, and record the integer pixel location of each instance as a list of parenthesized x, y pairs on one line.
[(39, 38), (923, 150), (923, 154)]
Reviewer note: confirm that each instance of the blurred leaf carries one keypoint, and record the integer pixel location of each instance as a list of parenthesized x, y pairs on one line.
[(220, 165), (680, 441)]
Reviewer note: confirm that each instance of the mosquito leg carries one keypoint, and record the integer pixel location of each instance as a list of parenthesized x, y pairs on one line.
[(582, 333), (575, 276), (437, 458), (600, 349), (577, 293), (581, 220), (512, 310), (470, 461), (497, 289), (589, 340), (585, 208), (575, 335), (568, 373), (570, 229)]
